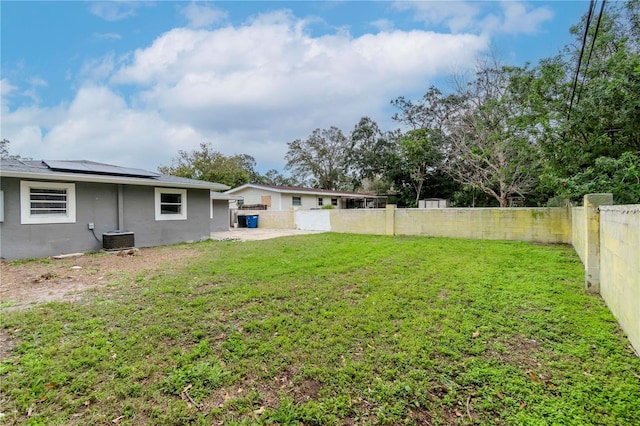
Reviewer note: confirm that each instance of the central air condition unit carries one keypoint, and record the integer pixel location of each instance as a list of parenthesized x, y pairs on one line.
[(118, 240)]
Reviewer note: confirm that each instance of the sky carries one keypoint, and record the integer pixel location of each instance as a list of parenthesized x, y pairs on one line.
[(132, 83)]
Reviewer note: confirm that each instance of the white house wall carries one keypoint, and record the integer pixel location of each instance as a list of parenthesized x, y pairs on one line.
[(254, 196)]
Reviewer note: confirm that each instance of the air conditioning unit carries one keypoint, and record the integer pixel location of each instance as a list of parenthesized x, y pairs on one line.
[(118, 240)]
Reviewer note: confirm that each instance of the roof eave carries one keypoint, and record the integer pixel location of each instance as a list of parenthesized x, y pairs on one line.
[(301, 192), (75, 177)]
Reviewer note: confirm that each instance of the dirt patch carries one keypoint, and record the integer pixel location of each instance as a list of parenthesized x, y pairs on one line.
[(23, 285)]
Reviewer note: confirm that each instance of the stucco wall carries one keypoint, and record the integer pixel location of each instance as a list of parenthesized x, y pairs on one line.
[(139, 217), (620, 266), (98, 204), (254, 196), (283, 201), (307, 202), (220, 216)]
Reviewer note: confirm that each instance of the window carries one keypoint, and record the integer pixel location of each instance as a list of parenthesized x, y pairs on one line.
[(240, 203), (296, 201), (171, 204), (47, 202), (320, 201), (334, 202)]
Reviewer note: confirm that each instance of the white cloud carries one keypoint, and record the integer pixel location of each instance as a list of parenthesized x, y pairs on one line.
[(520, 19), (98, 125), (37, 81), (458, 16), (512, 17), (6, 88), (383, 24), (200, 15), (107, 36), (248, 90), (115, 10), (98, 69)]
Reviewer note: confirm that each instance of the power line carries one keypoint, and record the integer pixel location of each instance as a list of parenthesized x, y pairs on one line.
[(593, 42), (584, 42)]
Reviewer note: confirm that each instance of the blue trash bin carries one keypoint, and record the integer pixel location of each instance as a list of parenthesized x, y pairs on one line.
[(252, 221)]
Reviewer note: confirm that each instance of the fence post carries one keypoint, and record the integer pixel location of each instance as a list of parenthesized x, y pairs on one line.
[(390, 228), (592, 239)]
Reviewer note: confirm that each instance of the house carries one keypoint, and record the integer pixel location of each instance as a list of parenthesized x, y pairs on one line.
[(271, 197), (53, 207)]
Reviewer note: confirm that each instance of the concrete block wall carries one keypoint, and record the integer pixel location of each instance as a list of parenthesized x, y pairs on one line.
[(272, 219), (361, 221), (546, 225), (620, 266), (577, 231)]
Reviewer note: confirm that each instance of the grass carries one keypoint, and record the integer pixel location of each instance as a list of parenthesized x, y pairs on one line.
[(330, 329)]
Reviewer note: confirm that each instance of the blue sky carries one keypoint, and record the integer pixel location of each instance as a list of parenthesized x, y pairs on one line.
[(132, 83)]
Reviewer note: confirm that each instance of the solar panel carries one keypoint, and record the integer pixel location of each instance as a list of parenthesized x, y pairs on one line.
[(90, 167)]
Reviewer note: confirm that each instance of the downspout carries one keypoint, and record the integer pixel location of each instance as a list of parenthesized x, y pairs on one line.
[(121, 207)]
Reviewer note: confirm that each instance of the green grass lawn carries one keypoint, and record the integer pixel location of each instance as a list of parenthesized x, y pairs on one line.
[(330, 329)]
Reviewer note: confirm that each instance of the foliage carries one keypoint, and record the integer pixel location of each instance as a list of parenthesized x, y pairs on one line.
[(430, 112), (329, 329), (603, 122), (371, 155), (320, 160), (418, 159), (274, 177), (619, 176), (420, 153), (4, 148), (209, 165)]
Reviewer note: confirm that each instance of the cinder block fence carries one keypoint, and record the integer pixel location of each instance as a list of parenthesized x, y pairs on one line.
[(606, 238)]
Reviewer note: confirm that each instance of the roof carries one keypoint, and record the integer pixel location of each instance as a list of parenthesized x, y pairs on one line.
[(301, 190), (222, 196), (89, 171)]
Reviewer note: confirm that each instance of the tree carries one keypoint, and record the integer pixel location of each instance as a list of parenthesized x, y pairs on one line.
[(420, 155), (430, 112), (320, 160), (209, 165), (6, 155), (274, 177), (428, 118), (619, 176), (596, 120), (4, 149), (491, 147), (371, 155)]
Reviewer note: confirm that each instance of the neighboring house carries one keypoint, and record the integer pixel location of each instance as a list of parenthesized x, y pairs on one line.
[(56, 207), (287, 197)]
